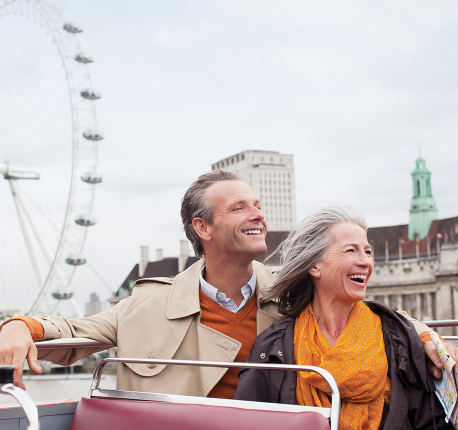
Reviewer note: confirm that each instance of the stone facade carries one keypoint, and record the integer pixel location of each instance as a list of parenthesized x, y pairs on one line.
[(425, 287)]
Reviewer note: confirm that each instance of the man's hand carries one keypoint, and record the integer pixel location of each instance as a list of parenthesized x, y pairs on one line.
[(16, 345), (434, 363)]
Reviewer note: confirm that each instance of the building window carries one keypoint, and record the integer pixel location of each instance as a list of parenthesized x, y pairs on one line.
[(243, 157)]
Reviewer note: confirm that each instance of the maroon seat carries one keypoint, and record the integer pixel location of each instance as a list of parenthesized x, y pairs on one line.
[(115, 414)]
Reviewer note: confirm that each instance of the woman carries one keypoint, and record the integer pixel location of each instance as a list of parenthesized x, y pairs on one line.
[(374, 353)]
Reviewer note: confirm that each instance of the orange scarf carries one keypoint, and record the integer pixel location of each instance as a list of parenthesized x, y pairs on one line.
[(357, 362)]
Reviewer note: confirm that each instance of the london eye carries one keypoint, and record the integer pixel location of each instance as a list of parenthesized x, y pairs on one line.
[(48, 155)]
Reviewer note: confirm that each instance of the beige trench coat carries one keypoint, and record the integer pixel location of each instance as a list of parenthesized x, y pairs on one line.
[(160, 320)]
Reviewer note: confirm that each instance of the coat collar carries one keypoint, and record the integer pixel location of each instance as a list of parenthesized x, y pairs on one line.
[(184, 296)]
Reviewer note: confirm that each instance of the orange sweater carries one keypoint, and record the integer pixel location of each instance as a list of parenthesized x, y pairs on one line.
[(240, 326), (34, 326)]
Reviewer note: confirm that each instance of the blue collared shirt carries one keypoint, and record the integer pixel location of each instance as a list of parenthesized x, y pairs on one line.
[(220, 298)]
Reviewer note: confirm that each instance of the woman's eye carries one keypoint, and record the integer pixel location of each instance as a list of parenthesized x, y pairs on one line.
[(350, 250)]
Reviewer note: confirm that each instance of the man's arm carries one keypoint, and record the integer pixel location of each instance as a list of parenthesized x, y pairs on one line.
[(17, 344), (435, 364)]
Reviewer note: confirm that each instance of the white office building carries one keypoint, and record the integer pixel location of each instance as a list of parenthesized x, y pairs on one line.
[(271, 176)]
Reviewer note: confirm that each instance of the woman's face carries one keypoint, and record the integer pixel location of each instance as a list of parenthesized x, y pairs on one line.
[(344, 273)]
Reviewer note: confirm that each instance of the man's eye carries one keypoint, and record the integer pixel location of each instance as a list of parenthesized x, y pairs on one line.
[(368, 252)]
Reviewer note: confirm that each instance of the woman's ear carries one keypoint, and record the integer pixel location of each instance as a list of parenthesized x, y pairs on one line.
[(315, 272), (201, 227)]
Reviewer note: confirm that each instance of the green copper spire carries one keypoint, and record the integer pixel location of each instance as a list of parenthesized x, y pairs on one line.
[(423, 209)]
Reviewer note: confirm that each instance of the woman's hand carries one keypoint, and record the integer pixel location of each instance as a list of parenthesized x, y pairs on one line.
[(434, 362)]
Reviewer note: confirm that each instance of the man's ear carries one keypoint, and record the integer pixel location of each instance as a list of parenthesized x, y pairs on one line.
[(201, 227)]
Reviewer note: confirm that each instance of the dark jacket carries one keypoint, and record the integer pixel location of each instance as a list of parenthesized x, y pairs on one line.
[(413, 404)]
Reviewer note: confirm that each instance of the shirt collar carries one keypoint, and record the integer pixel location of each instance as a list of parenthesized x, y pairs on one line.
[(209, 290)]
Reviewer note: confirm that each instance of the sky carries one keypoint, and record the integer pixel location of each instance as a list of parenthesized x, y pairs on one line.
[(351, 89)]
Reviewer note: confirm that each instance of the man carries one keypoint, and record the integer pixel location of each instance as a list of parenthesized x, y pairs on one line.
[(211, 311)]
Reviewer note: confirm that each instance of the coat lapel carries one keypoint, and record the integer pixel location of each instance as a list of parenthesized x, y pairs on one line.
[(186, 338)]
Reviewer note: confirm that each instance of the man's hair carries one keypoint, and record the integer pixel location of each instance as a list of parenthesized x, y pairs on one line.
[(195, 205), (305, 246)]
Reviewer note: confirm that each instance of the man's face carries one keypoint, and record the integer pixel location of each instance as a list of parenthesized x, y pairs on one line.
[(239, 227)]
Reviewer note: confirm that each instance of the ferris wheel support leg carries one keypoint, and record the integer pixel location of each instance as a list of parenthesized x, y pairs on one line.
[(25, 232), (76, 309), (36, 232)]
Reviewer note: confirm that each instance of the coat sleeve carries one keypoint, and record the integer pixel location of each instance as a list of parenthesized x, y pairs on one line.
[(102, 327), (419, 326)]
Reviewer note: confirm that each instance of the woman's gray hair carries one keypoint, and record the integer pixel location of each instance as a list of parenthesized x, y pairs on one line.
[(195, 205), (305, 246)]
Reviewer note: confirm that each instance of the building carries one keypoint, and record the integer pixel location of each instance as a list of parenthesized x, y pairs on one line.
[(416, 264), (162, 267), (423, 209), (271, 176)]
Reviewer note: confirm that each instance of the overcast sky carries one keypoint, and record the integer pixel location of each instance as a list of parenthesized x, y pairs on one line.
[(351, 89)]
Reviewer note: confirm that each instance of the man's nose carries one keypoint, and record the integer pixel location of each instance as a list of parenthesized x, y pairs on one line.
[(256, 214)]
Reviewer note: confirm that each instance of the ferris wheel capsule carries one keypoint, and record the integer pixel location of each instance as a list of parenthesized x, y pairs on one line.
[(75, 260), (91, 178), (62, 295), (85, 221), (73, 27), (93, 135), (84, 57), (90, 94)]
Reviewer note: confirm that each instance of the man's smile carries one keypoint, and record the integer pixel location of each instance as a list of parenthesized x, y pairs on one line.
[(252, 231)]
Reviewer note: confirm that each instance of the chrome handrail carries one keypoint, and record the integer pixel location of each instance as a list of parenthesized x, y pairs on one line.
[(27, 404), (441, 323), (72, 342), (335, 395)]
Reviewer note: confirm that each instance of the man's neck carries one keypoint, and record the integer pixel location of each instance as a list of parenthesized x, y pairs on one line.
[(229, 278)]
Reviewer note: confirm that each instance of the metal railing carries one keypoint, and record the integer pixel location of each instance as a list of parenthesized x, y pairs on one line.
[(443, 323), (95, 390), (26, 402), (73, 342)]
